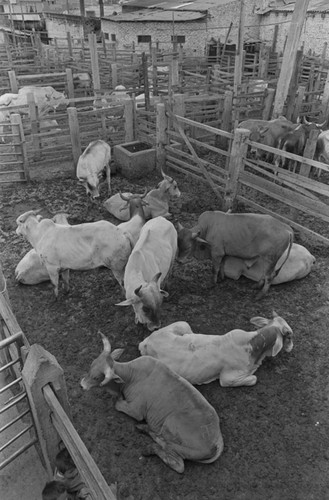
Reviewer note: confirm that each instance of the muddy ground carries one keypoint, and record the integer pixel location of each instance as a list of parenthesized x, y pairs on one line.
[(275, 433)]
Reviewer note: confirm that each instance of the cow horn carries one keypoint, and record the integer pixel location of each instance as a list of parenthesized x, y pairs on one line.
[(179, 226), (137, 290), (156, 277), (275, 315), (123, 197), (106, 343), (306, 121), (320, 125), (166, 177)]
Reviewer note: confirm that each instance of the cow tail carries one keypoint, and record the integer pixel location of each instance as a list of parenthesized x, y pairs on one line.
[(291, 240)]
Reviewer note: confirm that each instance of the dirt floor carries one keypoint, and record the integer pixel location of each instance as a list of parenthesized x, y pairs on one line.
[(276, 434)]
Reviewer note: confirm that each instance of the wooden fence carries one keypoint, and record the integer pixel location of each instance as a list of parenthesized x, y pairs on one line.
[(14, 163), (43, 384)]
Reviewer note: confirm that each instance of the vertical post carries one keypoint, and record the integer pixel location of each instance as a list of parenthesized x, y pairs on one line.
[(294, 85), (309, 152), (33, 111), (69, 44), (298, 103), (154, 71), (275, 38), (13, 81), (40, 369), (129, 115), (161, 135), (75, 136), (16, 123), (227, 115), (104, 44), (82, 8), (94, 61), (264, 58), (289, 56), (268, 102), (236, 166), (114, 74), (101, 8), (179, 105), (70, 84), (238, 68), (146, 81), (325, 99)]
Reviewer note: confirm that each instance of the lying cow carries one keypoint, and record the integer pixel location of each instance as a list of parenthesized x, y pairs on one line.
[(157, 200), (255, 238), (148, 266), (298, 265), (92, 164), (178, 418), (232, 358), (81, 247), (45, 97), (30, 270)]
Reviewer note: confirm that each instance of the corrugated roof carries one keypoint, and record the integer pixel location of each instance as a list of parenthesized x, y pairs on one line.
[(175, 4), (157, 16), (314, 6)]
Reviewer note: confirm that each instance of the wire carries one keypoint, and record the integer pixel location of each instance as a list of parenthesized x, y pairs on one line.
[(209, 28)]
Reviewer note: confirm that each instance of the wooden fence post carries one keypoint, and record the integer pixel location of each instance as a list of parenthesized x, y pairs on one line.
[(13, 81), (114, 74), (161, 135), (325, 99), (33, 110), (69, 44), (130, 120), (268, 103), (236, 165), (264, 59), (41, 368), (16, 123), (70, 84), (226, 123), (94, 62), (298, 103), (309, 151), (75, 136)]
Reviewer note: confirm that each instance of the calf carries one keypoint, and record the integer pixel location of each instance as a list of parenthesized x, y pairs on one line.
[(92, 164), (250, 237), (157, 200), (148, 265), (232, 358), (178, 418)]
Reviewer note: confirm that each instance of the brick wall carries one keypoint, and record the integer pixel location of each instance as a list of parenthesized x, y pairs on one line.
[(58, 26), (315, 31)]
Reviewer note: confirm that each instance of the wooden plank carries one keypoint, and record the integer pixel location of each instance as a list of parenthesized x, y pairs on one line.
[(181, 154), (203, 126), (188, 167)]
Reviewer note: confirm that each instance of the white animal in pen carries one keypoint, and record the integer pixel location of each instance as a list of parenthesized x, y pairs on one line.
[(92, 164)]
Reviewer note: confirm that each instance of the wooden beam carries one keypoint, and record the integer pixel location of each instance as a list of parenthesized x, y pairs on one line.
[(289, 56), (238, 68)]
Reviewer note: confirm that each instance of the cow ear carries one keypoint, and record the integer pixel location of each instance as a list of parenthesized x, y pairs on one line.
[(156, 278), (117, 353), (164, 293), (275, 315), (128, 302), (196, 234), (259, 321)]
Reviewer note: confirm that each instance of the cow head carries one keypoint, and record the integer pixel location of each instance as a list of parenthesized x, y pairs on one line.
[(24, 221), (169, 186), (191, 245), (146, 301), (135, 204), (102, 370), (280, 329), (92, 190)]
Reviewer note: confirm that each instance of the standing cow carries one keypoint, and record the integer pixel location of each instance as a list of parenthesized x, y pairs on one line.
[(178, 418), (148, 266), (92, 164), (251, 237)]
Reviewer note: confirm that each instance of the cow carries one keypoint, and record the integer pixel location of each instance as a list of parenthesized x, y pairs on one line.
[(295, 267), (267, 132), (322, 149), (45, 97), (83, 81), (157, 200), (148, 266), (92, 164), (232, 358), (178, 418), (30, 270), (80, 247), (294, 142), (251, 237)]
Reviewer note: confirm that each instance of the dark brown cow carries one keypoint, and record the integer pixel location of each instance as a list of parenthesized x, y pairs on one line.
[(251, 237)]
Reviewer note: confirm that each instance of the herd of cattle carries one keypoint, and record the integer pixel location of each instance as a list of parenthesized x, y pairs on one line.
[(141, 252)]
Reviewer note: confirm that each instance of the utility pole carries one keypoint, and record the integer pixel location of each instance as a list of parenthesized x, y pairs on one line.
[(289, 56)]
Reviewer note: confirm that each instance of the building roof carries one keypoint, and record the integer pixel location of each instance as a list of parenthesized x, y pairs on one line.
[(25, 17), (289, 5), (157, 15), (197, 5)]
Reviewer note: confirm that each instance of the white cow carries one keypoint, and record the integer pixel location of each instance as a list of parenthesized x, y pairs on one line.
[(157, 200), (178, 418), (232, 358), (81, 247), (298, 265), (94, 161), (30, 270), (148, 266), (45, 97)]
